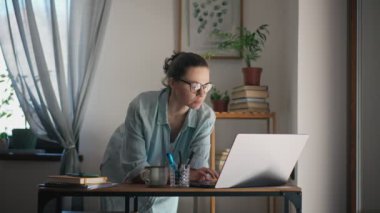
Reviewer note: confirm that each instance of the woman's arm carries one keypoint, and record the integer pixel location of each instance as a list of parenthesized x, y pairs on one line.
[(201, 147), (133, 151)]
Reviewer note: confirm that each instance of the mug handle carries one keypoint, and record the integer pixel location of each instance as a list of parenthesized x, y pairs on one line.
[(145, 176)]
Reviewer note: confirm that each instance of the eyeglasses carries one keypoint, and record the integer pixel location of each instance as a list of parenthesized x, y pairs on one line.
[(195, 86)]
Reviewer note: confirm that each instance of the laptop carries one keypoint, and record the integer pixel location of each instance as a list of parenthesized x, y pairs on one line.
[(259, 160)]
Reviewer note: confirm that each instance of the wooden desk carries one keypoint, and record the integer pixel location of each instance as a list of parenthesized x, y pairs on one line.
[(289, 192)]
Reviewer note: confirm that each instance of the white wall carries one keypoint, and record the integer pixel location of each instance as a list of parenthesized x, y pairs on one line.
[(322, 104), (139, 36), (18, 184)]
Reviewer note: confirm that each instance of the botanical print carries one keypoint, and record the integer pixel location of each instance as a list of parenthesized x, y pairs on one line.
[(199, 18), (210, 12)]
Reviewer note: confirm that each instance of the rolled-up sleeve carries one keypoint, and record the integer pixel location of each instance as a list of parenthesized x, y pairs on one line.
[(133, 154), (201, 145)]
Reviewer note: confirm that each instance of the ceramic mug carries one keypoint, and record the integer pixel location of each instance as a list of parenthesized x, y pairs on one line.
[(155, 175)]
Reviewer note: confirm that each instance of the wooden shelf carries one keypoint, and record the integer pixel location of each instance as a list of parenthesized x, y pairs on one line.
[(270, 117), (244, 115)]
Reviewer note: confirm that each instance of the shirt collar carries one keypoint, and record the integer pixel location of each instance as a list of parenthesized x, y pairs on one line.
[(191, 118), (163, 107)]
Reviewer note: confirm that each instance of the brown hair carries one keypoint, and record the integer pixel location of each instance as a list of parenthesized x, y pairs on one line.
[(176, 66)]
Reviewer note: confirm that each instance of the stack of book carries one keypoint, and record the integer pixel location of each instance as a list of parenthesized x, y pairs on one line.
[(74, 180), (249, 99), (220, 159)]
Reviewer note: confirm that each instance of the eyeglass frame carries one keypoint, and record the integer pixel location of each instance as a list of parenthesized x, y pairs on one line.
[(202, 86)]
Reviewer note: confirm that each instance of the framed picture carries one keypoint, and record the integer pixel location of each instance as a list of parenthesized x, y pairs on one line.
[(199, 18)]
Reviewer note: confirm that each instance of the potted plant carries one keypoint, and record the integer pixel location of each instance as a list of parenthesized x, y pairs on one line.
[(4, 141), (219, 101), (6, 99), (250, 45), (6, 96), (21, 138)]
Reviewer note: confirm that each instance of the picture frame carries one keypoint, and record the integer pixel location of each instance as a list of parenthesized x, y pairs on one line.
[(198, 19)]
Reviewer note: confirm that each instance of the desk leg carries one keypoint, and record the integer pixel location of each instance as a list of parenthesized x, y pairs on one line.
[(295, 198), (127, 209), (135, 205), (58, 205), (43, 199), (212, 205), (286, 205)]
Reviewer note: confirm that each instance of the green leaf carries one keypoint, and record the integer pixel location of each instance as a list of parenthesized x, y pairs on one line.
[(250, 44)]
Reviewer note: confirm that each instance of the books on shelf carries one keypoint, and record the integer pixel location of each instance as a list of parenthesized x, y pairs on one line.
[(251, 109), (247, 91), (247, 100), (221, 156), (253, 104), (83, 180), (249, 94), (220, 159), (250, 87)]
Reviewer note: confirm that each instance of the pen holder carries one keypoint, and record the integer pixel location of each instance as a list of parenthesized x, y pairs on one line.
[(180, 177)]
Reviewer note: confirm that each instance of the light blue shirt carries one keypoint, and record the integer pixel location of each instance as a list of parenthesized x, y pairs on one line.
[(147, 140)]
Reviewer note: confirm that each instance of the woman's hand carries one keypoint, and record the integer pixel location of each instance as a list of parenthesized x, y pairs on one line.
[(203, 174)]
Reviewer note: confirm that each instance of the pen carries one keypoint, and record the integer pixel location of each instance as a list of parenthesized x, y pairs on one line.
[(190, 157), (171, 160)]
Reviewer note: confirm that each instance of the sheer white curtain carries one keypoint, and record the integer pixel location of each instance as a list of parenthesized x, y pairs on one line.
[(50, 48)]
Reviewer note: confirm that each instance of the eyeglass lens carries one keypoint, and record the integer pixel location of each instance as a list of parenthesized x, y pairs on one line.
[(195, 87)]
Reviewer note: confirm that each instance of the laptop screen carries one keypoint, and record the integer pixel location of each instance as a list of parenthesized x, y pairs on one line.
[(261, 160)]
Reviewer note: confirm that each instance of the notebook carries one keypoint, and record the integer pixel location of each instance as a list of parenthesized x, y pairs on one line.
[(259, 160)]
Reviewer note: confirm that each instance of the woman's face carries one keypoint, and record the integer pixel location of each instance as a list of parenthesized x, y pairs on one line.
[(182, 88)]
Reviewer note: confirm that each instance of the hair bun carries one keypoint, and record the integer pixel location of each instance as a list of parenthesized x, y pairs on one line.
[(168, 61)]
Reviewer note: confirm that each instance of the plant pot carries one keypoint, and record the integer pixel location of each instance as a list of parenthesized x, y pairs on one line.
[(4, 141), (220, 105), (252, 75), (23, 139), (4, 144)]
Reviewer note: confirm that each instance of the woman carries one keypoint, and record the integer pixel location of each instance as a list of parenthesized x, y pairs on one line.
[(172, 120)]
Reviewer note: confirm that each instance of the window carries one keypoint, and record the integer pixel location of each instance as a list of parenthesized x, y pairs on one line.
[(11, 114)]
